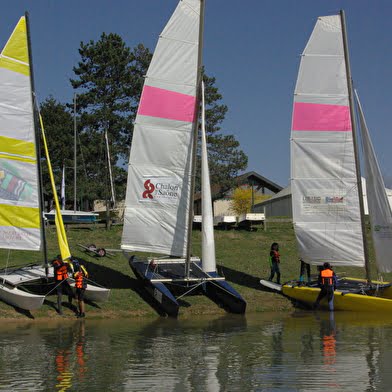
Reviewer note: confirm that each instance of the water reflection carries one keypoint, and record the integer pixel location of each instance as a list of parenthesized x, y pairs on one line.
[(303, 351)]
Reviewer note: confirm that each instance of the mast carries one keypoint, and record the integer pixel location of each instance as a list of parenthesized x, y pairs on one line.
[(113, 199), (37, 146), (195, 139), (208, 242), (355, 143), (75, 153)]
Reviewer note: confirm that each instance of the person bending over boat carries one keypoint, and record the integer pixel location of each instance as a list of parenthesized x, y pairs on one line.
[(80, 277), (61, 270), (327, 282), (274, 262)]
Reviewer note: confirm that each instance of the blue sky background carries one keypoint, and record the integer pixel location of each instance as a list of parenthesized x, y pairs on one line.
[(252, 47)]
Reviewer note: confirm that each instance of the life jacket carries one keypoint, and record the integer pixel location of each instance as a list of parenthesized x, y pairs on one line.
[(60, 270), (274, 257), (80, 280), (327, 277)]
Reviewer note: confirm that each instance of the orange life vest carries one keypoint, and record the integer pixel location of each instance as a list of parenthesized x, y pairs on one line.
[(80, 281), (327, 277), (61, 271)]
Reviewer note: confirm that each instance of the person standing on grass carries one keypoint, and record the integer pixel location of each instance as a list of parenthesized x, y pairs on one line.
[(304, 267), (61, 270), (80, 277), (274, 262)]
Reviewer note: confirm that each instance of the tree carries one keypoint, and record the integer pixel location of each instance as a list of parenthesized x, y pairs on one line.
[(241, 202), (58, 123), (226, 159), (109, 80)]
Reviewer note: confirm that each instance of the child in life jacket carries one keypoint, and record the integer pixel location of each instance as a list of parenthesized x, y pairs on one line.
[(274, 262), (80, 277)]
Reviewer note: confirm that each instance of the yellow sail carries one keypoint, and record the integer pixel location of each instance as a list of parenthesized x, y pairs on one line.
[(61, 234), (20, 219)]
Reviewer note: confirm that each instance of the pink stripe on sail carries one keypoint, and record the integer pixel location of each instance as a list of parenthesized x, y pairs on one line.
[(158, 102), (321, 117)]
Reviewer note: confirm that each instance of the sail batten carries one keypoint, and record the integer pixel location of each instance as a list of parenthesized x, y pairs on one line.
[(20, 221), (325, 197), (159, 171)]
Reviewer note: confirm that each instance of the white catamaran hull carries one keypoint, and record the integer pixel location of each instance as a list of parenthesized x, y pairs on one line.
[(93, 293), (34, 273), (20, 299)]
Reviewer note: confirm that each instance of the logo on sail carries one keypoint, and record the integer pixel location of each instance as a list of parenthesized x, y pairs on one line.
[(164, 190), (150, 188), (334, 199)]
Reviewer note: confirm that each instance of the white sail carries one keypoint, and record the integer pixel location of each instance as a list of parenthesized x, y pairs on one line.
[(159, 171), (208, 241), (378, 205), (20, 226), (325, 199)]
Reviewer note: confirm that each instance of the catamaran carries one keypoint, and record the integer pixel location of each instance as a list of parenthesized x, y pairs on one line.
[(159, 200), (21, 213), (328, 208)]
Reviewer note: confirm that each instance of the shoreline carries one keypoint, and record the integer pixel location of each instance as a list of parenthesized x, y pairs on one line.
[(242, 258)]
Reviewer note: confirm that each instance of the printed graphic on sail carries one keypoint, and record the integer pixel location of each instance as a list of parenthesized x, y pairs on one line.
[(19, 196), (323, 178), (159, 171)]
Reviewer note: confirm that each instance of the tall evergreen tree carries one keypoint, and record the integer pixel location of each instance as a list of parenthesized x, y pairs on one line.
[(58, 123), (226, 159), (108, 83)]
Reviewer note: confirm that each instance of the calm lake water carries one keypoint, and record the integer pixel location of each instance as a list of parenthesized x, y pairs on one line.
[(266, 352)]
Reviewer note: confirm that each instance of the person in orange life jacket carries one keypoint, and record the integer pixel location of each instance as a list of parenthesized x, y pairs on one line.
[(80, 277), (61, 270), (274, 262), (327, 282)]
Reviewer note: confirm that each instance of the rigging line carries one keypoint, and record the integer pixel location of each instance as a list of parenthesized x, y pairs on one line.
[(95, 283), (189, 291), (6, 265), (227, 291), (81, 153), (55, 287)]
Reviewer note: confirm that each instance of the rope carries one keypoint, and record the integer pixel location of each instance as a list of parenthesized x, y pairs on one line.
[(187, 292), (95, 283), (6, 265)]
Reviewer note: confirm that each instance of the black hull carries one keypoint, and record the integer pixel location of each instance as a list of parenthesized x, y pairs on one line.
[(225, 296), (162, 293), (161, 296)]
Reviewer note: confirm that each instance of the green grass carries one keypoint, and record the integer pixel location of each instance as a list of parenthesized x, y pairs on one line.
[(242, 257)]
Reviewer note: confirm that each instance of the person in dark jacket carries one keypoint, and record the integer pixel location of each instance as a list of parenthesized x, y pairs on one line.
[(274, 262), (327, 282), (305, 267)]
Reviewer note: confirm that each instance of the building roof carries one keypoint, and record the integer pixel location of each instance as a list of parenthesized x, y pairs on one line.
[(257, 179), (247, 178)]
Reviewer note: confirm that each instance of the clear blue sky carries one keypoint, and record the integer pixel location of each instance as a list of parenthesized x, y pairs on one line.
[(252, 47)]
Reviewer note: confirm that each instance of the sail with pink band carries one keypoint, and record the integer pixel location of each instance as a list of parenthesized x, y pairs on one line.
[(159, 171), (325, 198)]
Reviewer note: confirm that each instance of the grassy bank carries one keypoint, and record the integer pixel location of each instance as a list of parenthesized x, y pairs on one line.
[(242, 257)]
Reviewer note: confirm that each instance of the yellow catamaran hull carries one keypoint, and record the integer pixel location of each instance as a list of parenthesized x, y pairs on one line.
[(342, 301)]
